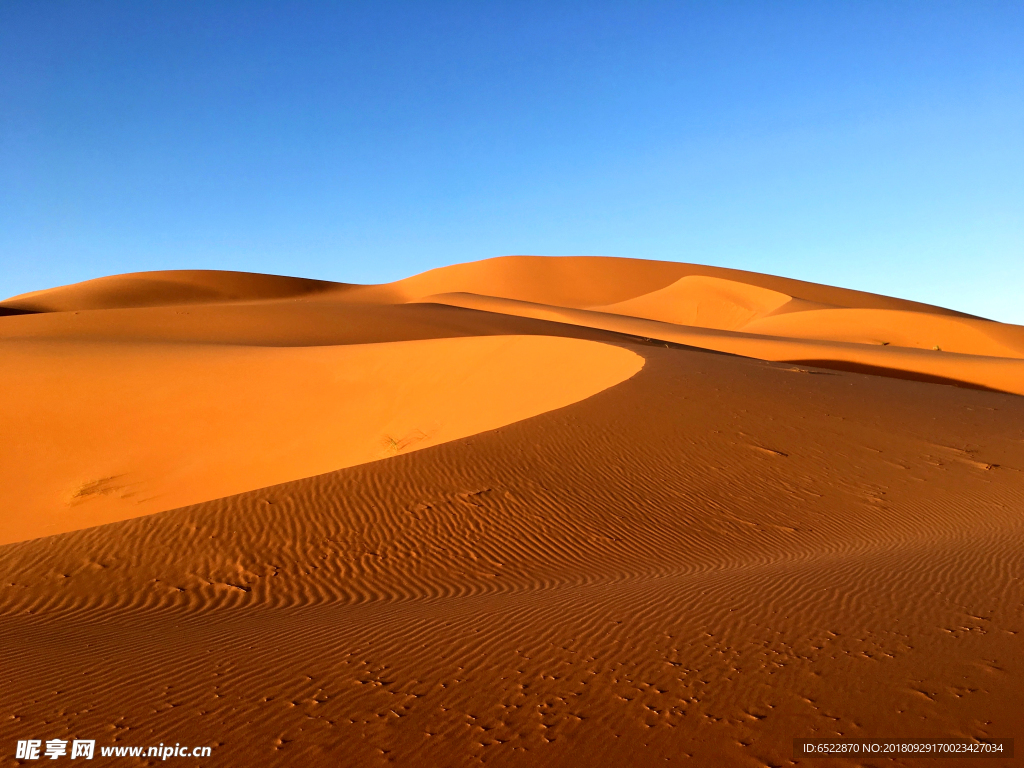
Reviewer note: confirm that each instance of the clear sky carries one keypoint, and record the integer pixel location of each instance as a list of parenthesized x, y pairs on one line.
[(873, 145)]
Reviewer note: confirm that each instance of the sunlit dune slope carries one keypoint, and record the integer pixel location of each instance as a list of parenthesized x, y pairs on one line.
[(97, 432), (706, 302), (884, 327)]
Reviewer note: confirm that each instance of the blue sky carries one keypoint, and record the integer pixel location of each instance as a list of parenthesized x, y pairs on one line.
[(877, 146)]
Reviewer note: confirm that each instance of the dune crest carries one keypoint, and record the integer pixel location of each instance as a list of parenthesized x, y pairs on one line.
[(705, 302), (590, 282), (170, 288)]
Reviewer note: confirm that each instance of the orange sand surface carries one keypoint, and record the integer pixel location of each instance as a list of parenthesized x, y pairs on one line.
[(526, 511), (126, 429)]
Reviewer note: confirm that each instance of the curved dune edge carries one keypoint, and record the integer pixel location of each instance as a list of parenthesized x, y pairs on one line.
[(1002, 374), (100, 432), (706, 302)]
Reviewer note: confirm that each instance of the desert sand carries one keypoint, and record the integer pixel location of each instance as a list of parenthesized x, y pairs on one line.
[(525, 511)]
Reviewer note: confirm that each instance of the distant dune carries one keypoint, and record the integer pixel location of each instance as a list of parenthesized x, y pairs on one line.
[(525, 511)]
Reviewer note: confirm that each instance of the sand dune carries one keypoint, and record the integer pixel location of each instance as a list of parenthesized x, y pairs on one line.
[(149, 289), (900, 329), (523, 512), (131, 429), (585, 282), (976, 370), (705, 302)]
